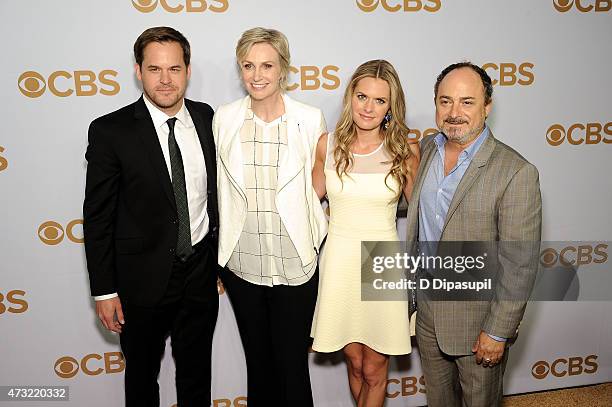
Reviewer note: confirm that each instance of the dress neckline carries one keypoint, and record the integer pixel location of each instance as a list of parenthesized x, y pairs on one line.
[(371, 152)]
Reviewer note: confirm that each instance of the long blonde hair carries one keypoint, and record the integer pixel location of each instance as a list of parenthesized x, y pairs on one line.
[(395, 131)]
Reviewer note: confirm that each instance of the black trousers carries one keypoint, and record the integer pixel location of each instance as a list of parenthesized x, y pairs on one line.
[(188, 314), (274, 324)]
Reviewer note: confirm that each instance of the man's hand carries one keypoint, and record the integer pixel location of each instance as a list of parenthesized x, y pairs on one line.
[(487, 350), (110, 313)]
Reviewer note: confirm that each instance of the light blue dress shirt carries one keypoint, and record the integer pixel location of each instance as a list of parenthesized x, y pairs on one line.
[(438, 190)]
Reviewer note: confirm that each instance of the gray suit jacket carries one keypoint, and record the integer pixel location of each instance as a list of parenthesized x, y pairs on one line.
[(498, 199)]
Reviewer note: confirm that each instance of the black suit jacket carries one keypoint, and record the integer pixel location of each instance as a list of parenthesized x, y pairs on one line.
[(130, 220)]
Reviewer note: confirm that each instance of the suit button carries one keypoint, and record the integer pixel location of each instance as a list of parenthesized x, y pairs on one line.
[(174, 221), (172, 250), (214, 229)]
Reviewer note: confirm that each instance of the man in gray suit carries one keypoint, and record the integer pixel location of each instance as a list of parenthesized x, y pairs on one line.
[(472, 187)]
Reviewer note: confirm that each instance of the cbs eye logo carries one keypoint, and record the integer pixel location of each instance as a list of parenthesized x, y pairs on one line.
[(52, 233), (13, 302), (92, 364), (312, 77), (508, 74), (575, 255), (3, 161), (393, 6), (63, 83), (190, 6), (557, 134), (572, 366), (563, 6)]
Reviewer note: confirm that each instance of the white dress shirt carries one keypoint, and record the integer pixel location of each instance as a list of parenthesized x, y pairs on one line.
[(265, 254), (193, 163)]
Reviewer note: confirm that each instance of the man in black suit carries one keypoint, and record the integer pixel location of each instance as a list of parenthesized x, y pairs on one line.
[(151, 222)]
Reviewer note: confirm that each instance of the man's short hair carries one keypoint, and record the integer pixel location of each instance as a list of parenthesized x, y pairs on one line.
[(484, 76), (161, 34)]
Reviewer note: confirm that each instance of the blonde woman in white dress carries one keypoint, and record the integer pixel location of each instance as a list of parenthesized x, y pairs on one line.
[(363, 167)]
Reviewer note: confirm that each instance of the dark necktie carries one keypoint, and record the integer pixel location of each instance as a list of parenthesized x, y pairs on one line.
[(183, 243)]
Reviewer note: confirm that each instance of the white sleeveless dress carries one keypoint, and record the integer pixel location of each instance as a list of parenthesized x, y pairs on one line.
[(362, 208)]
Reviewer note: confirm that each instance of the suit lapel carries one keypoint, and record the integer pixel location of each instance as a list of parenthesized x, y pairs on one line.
[(230, 148), (145, 129), (413, 205), (206, 141), (428, 156), (294, 159), (471, 175)]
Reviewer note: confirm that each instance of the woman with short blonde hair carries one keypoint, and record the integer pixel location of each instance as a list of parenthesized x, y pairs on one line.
[(271, 223), (275, 39)]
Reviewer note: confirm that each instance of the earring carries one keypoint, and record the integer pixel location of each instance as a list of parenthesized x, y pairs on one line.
[(386, 120)]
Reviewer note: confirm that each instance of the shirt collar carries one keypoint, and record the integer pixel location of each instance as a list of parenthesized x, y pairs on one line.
[(475, 146), (159, 117), (472, 149)]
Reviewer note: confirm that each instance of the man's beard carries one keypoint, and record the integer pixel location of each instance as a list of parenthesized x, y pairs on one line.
[(455, 133), (165, 103)]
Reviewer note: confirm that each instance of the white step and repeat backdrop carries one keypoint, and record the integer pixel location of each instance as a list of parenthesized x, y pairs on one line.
[(67, 62)]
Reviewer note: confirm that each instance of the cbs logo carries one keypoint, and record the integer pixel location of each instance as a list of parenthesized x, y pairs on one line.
[(237, 402), (63, 83), (393, 6), (419, 135), (13, 302), (405, 386), (92, 364), (508, 74), (3, 161), (572, 366), (190, 6), (598, 5), (52, 233), (312, 77), (575, 256), (556, 134)]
